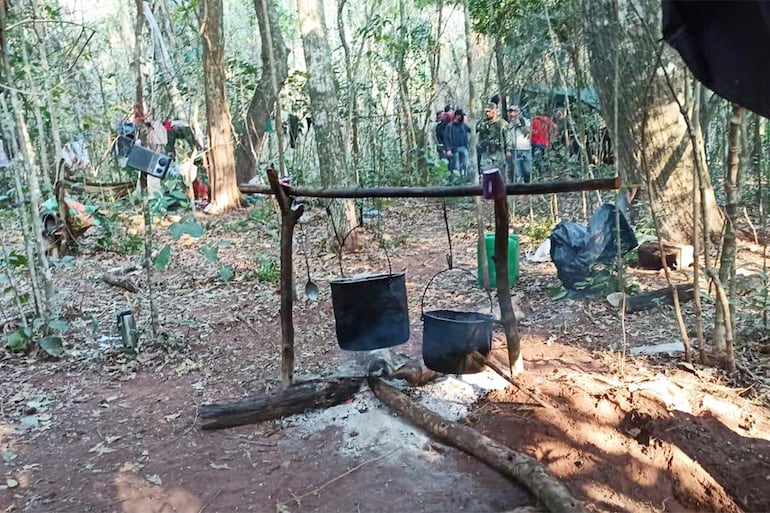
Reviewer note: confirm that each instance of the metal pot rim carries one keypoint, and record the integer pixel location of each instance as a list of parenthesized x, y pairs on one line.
[(366, 279)]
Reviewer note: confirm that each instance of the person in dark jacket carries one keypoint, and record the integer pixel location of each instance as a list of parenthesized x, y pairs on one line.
[(457, 138)]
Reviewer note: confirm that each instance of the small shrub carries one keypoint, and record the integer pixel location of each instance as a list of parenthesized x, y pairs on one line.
[(268, 270)]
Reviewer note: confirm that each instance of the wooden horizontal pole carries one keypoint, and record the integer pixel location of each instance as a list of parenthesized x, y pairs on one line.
[(517, 189)]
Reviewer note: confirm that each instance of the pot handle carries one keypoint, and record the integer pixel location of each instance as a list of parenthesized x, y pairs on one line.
[(342, 245), (422, 300)]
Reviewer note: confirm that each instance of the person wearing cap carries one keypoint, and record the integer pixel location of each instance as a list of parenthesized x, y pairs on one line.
[(456, 144), (519, 150), (492, 140)]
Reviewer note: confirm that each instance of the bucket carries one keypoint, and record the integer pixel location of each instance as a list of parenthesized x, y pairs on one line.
[(513, 259), (455, 342), (370, 311)]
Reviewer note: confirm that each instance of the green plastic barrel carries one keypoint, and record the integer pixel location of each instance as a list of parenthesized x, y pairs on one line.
[(513, 259)]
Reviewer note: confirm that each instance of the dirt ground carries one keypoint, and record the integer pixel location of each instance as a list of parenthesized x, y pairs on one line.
[(98, 431)]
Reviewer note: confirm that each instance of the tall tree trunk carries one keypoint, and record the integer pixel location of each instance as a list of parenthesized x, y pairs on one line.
[(473, 100), (323, 102), (220, 157), (262, 102), (664, 137)]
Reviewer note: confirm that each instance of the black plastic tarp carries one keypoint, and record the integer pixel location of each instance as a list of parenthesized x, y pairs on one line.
[(726, 45), (576, 248)]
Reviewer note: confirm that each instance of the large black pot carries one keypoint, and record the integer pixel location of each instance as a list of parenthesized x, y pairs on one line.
[(370, 312), (456, 342)]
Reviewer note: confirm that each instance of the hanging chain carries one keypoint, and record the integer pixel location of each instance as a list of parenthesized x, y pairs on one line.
[(449, 256)]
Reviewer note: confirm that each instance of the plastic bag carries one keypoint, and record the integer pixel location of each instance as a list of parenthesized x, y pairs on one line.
[(576, 248)]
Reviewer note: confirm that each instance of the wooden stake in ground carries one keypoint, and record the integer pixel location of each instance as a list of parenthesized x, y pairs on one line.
[(290, 214), (520, 467), (507, 316)]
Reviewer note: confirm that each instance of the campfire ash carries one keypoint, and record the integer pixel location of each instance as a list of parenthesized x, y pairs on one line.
[(367, 425)]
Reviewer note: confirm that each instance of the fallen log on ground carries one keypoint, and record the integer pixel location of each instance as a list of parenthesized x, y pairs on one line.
[(297, 398), (118, 278), (515, 465), (654, 298)]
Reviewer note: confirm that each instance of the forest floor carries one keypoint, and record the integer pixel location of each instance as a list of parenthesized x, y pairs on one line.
[(99, 431)]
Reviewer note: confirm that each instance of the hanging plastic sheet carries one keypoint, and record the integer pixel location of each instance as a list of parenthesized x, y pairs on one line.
[(726, 45)]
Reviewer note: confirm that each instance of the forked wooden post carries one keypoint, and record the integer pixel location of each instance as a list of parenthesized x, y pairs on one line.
[(290, 214)]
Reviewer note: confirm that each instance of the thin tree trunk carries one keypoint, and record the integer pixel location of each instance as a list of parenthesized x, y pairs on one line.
[(12, 283), (36, 96), (696, 207), (24, 214), (653, 204), (163, 58), (138, 121), (53, 107), (351, 133), (724, 329), (473, 104), (403, 85), (35, 244)]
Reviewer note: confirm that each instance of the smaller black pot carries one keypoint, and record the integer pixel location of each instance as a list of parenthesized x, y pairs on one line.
[(452, 342)]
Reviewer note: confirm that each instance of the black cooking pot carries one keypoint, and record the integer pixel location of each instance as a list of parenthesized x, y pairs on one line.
[(455, 342), (370, 312)]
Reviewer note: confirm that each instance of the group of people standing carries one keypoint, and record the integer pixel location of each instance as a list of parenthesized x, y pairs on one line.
[(513, 146)]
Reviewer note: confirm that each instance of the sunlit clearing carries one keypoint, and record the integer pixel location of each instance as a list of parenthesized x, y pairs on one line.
[(603, 494), (731, 415), (137, 495)]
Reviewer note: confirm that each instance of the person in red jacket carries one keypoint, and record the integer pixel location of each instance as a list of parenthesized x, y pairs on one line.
[(543, 130)]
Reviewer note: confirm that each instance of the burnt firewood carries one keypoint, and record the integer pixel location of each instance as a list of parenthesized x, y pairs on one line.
[(297, 398)]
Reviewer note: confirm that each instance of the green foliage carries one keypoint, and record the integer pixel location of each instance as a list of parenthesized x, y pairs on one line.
[(173, 197), (112, 236), (131, 243), (268, 270), (225, 273), (500, 17), (211, 253), (48, 338), (539, 230), (190, 228), (163, 257)]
